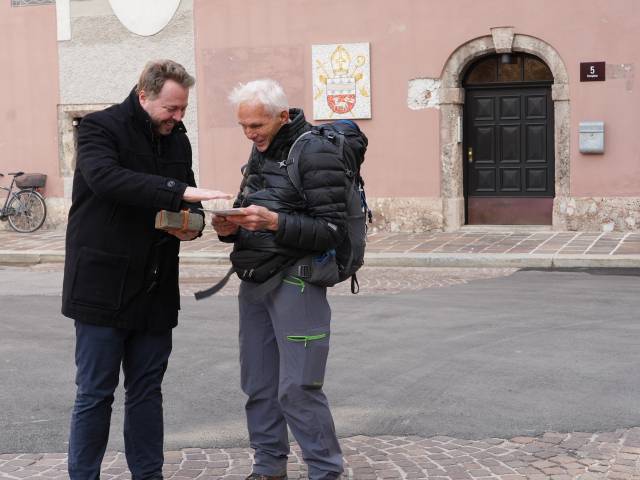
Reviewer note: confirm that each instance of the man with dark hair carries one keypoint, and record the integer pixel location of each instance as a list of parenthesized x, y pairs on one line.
[(284, 316), (121, 274)]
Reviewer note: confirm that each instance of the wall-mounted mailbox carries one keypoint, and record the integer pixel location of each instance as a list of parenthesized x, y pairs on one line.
[(591, 137)]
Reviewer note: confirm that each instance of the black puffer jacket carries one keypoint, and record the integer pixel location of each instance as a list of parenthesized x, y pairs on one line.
[(304, 227)]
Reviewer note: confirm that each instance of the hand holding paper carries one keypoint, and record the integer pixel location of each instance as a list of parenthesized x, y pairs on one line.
[(255, 218)]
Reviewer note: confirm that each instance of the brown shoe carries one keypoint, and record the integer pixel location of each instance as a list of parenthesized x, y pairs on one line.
[(257, 476)]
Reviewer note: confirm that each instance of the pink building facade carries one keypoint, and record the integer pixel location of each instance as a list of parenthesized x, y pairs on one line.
[(29, 87), (476, 107)]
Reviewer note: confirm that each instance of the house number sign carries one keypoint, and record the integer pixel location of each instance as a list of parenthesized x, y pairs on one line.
[(592, 71)]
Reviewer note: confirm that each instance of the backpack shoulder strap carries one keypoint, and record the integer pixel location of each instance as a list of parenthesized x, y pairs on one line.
[(293, 169), (341, 146)]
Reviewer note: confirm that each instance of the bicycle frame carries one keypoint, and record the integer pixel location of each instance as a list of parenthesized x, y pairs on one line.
[(10, 195)]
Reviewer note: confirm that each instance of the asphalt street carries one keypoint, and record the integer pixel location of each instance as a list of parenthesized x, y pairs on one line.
[(518, 354)]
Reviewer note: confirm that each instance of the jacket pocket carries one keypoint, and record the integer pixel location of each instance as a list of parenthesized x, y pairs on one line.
[(99, 279)]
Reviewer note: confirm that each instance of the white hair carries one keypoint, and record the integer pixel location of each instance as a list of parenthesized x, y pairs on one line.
[(266, 92)]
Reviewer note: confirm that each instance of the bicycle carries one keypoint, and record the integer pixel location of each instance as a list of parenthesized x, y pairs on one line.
[(25, 209)]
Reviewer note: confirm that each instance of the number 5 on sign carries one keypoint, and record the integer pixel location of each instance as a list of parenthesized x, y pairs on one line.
[(592, 71)]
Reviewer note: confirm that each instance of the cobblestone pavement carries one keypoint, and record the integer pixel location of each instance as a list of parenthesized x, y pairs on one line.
[(372, 280), (553, 456), (472, 241)]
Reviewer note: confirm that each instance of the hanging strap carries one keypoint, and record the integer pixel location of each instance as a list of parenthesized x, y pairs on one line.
[(217, 287), (355, 286), (260, 291)]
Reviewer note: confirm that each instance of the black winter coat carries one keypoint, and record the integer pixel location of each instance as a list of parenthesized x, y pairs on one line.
[(304, 227), (119, 270)]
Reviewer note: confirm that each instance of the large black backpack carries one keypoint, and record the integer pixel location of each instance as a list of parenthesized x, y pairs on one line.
[(350, 253)]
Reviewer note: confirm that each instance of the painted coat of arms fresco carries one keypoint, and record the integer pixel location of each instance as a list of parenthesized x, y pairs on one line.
[(341, 81)]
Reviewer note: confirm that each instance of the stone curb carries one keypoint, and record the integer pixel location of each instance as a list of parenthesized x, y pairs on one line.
[(30, 257), (463, 260), (500, 260)]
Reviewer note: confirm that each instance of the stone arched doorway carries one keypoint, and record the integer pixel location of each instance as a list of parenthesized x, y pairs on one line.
[(508, 143), (501, 40)]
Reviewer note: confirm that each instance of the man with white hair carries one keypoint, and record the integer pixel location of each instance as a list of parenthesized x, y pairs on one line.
[(284, 319)]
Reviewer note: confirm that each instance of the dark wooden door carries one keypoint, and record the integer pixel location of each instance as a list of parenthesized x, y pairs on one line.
[(509, 155)]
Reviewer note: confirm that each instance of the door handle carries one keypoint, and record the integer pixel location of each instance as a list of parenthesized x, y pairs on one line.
[(470, 154)]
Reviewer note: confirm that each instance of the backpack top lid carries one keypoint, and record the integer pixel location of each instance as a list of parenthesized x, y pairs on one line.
[(348, 123), (354, 139)]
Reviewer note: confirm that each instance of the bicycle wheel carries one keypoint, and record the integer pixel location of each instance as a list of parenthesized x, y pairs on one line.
[(27, 211)]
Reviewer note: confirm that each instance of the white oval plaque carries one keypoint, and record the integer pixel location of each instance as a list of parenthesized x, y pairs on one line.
[(144, 17)]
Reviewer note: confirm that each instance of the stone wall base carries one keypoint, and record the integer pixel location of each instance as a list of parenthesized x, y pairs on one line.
[(423, 214), (589, 214), (407, 214), (596, 214), (57, 211)]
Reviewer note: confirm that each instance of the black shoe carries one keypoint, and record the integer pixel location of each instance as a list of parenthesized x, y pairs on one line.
[(258, 476)]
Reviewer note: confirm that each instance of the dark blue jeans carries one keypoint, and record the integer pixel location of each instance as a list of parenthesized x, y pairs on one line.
[(99, 353)]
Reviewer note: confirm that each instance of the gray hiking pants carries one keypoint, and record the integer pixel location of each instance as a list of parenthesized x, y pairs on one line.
[(284, 343)]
